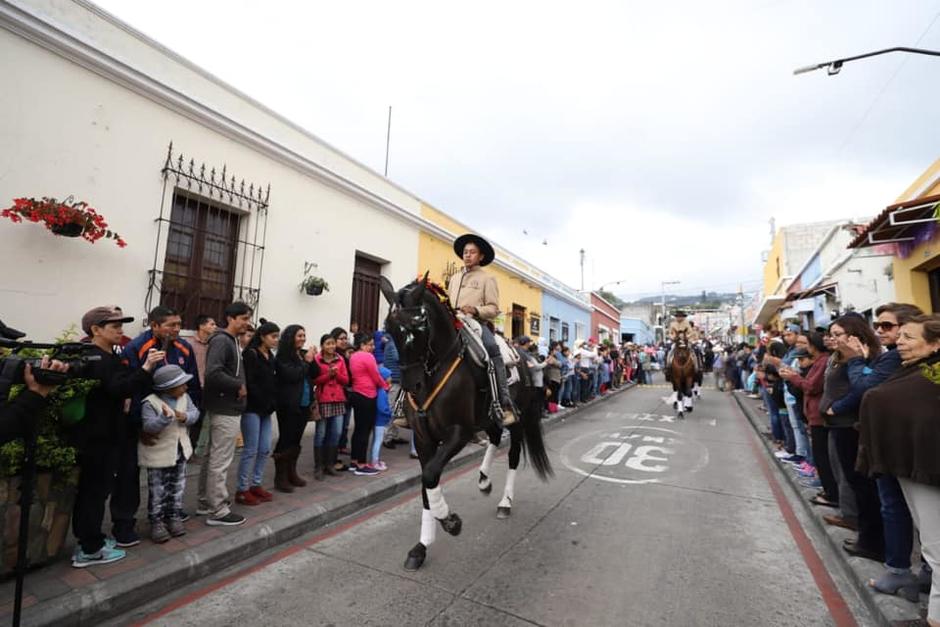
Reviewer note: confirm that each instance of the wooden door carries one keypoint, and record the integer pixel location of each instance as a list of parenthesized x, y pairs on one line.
[(365, 294)]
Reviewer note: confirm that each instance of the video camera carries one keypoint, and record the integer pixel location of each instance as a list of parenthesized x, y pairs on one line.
[(76, 355)]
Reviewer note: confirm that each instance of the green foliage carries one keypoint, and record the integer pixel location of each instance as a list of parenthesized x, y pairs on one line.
[(53, 453), (932, 372), (612, 298)]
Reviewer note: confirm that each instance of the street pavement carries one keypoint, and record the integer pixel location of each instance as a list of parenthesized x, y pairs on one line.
[(649, 520)]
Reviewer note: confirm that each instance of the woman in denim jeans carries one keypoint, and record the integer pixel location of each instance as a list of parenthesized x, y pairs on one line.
[(260, 381), (331, 395)]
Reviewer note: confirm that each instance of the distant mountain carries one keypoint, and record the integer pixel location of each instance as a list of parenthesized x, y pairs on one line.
[(686, 300)]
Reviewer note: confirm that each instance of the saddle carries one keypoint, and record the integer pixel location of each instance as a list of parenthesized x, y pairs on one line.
[(471, 335)]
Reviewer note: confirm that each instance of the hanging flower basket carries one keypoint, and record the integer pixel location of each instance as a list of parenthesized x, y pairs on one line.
[(63, 218), (314, 285)]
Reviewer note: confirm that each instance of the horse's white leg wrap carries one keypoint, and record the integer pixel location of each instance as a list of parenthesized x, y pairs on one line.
[(687, 402), (487, 460), (428, 527), (437, 503), (509, 490)]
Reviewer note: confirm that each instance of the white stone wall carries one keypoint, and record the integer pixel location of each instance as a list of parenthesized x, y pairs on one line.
[(66, 130), (863, 282)]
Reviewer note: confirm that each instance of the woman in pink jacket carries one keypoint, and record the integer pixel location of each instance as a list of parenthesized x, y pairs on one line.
[(366, 381), (331, 398)]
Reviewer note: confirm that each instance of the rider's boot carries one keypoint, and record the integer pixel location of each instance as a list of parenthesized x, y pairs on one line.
[(502, 391)]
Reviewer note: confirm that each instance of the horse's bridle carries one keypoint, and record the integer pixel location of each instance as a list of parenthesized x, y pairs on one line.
[(422, 324)]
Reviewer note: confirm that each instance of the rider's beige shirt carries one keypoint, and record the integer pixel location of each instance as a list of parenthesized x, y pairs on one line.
[(477, 289), (676, 327)]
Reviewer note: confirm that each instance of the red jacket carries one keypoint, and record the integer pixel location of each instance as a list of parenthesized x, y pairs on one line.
[(812, 386), (330, 387)]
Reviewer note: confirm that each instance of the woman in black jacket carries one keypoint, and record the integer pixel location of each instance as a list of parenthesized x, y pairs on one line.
[(296, 371), (840, 413), (261, 383)]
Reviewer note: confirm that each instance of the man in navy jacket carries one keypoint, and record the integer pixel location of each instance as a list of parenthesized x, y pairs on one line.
[(163, 334)]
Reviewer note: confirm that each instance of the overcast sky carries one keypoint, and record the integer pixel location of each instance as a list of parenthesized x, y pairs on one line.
[(660, 137)]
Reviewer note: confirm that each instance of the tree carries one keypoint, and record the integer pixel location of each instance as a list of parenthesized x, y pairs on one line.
[(611, 298)]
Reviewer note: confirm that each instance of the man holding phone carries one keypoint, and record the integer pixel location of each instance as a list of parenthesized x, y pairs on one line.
[(163, 336)]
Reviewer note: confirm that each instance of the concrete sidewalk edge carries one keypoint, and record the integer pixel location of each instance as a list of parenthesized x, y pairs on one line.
[(106, 599), (890, 611)]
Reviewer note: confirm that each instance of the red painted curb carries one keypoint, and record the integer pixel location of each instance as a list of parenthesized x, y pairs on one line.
[(838, 608)]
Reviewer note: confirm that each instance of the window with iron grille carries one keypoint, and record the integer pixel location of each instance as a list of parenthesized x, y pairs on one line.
[(214, 241)]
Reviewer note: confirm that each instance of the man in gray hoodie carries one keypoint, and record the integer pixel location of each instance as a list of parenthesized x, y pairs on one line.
[(224, 399)]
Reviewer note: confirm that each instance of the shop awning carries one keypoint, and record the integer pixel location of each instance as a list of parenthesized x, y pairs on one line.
[(898, 222), (768, 308), (828, 288)]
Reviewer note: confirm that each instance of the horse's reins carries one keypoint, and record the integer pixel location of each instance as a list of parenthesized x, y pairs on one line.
[(437, 389)]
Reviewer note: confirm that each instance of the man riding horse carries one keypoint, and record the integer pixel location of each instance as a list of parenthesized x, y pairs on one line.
[(682, 328), (475, 293)]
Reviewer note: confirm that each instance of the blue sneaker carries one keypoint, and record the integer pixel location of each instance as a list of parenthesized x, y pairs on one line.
[(365, 471), (105, 555)]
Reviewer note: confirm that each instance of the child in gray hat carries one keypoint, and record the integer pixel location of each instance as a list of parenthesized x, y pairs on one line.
[(167, 413)]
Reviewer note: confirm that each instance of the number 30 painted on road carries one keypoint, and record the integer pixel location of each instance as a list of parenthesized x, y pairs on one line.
[(642, 456)]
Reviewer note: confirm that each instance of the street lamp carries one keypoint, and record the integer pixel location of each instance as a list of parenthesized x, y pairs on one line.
[(833, 67), (663, 321)]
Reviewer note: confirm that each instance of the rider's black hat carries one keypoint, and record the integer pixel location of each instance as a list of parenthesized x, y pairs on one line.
[(486, 249), (680, 314)]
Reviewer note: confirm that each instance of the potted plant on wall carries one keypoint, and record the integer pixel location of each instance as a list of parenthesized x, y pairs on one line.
[(314, 285), (65, 218), (57, 472)]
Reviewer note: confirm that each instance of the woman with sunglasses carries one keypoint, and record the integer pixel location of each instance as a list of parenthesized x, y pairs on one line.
[(898, 526), (900, 436)]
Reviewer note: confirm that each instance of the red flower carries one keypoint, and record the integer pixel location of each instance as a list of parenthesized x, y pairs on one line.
[(53, 213)]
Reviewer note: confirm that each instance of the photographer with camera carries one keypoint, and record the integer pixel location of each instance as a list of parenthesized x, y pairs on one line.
[(18, 416), (164, 336), (99, 436)]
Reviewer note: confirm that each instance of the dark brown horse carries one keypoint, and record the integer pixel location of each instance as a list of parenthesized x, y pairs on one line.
[(449, 401), (683, 373)]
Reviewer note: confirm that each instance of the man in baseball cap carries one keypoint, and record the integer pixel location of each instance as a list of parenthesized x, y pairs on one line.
[(100, 316), (102, 430)]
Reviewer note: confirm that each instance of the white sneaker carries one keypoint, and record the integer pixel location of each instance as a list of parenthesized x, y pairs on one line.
[(781, 454)]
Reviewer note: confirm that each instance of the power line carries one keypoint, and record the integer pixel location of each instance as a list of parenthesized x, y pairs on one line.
[(884, 89)]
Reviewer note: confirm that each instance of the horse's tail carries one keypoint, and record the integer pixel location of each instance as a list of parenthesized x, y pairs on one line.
[(534, 443)]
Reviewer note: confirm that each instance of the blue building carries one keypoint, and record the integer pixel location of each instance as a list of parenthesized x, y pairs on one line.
[(636, 330), (565, 317)]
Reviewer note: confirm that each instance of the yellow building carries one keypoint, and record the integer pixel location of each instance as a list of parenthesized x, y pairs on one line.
[(519, 292), (912, 226)]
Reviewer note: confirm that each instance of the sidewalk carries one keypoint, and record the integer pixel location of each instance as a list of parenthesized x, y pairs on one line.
[(890, 610), (61, 595)]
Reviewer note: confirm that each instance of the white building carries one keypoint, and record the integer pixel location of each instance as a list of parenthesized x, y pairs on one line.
[(836, 278), (218, 197)]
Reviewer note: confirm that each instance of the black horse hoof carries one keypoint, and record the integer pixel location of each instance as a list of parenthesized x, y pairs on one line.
[(489, 484), (416, 557), (488, 488), (502, 513), (681, 416), (689, 410), (452, 524)]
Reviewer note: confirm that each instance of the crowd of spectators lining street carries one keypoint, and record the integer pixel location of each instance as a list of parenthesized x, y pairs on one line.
[(854, 410), (166, 400)]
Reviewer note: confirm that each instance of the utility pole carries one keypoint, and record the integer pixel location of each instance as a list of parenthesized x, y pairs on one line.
[(582, 268), (741, 305), (388, 138)]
